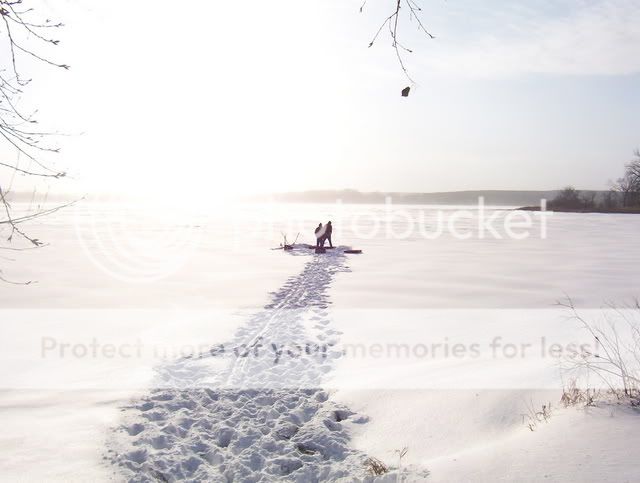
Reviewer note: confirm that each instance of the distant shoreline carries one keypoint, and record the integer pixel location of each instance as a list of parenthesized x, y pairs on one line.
[(509, 198), (620, 211)]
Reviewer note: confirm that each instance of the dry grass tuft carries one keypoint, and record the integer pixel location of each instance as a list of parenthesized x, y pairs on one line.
[(533, 416), (376, 467), (572, 395)]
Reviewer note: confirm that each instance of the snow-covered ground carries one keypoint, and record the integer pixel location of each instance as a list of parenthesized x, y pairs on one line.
[(165, 344)]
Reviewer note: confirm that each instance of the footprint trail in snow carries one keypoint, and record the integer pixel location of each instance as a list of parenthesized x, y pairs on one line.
[(263, 416)]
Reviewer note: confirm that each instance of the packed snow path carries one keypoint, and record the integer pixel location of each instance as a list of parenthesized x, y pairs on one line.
[(261, 418)]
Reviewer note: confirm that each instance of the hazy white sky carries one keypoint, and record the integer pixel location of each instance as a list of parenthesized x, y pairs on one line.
[(281, 96)]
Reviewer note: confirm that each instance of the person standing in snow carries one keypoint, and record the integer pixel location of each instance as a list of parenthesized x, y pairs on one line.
[(327, 234), (319, 231)]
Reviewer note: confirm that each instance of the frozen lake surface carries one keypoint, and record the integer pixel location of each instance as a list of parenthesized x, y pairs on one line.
[(436, 338)]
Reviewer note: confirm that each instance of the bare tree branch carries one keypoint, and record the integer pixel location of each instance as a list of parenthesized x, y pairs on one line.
[(23, 34), (392, 22)]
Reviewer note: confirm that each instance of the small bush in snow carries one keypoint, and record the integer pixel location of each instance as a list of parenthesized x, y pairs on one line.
[(616, 362)]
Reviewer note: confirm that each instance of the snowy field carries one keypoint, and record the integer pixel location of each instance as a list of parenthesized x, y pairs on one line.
[(163, 344)]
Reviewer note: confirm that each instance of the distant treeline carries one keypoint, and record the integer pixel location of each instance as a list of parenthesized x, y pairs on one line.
[(624, 194)]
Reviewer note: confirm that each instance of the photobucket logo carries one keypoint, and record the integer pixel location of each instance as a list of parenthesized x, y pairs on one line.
[(136, 243), (401, 222), (387, 221)]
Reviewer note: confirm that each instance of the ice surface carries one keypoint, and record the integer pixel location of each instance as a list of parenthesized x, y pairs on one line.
[(306, 417)]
